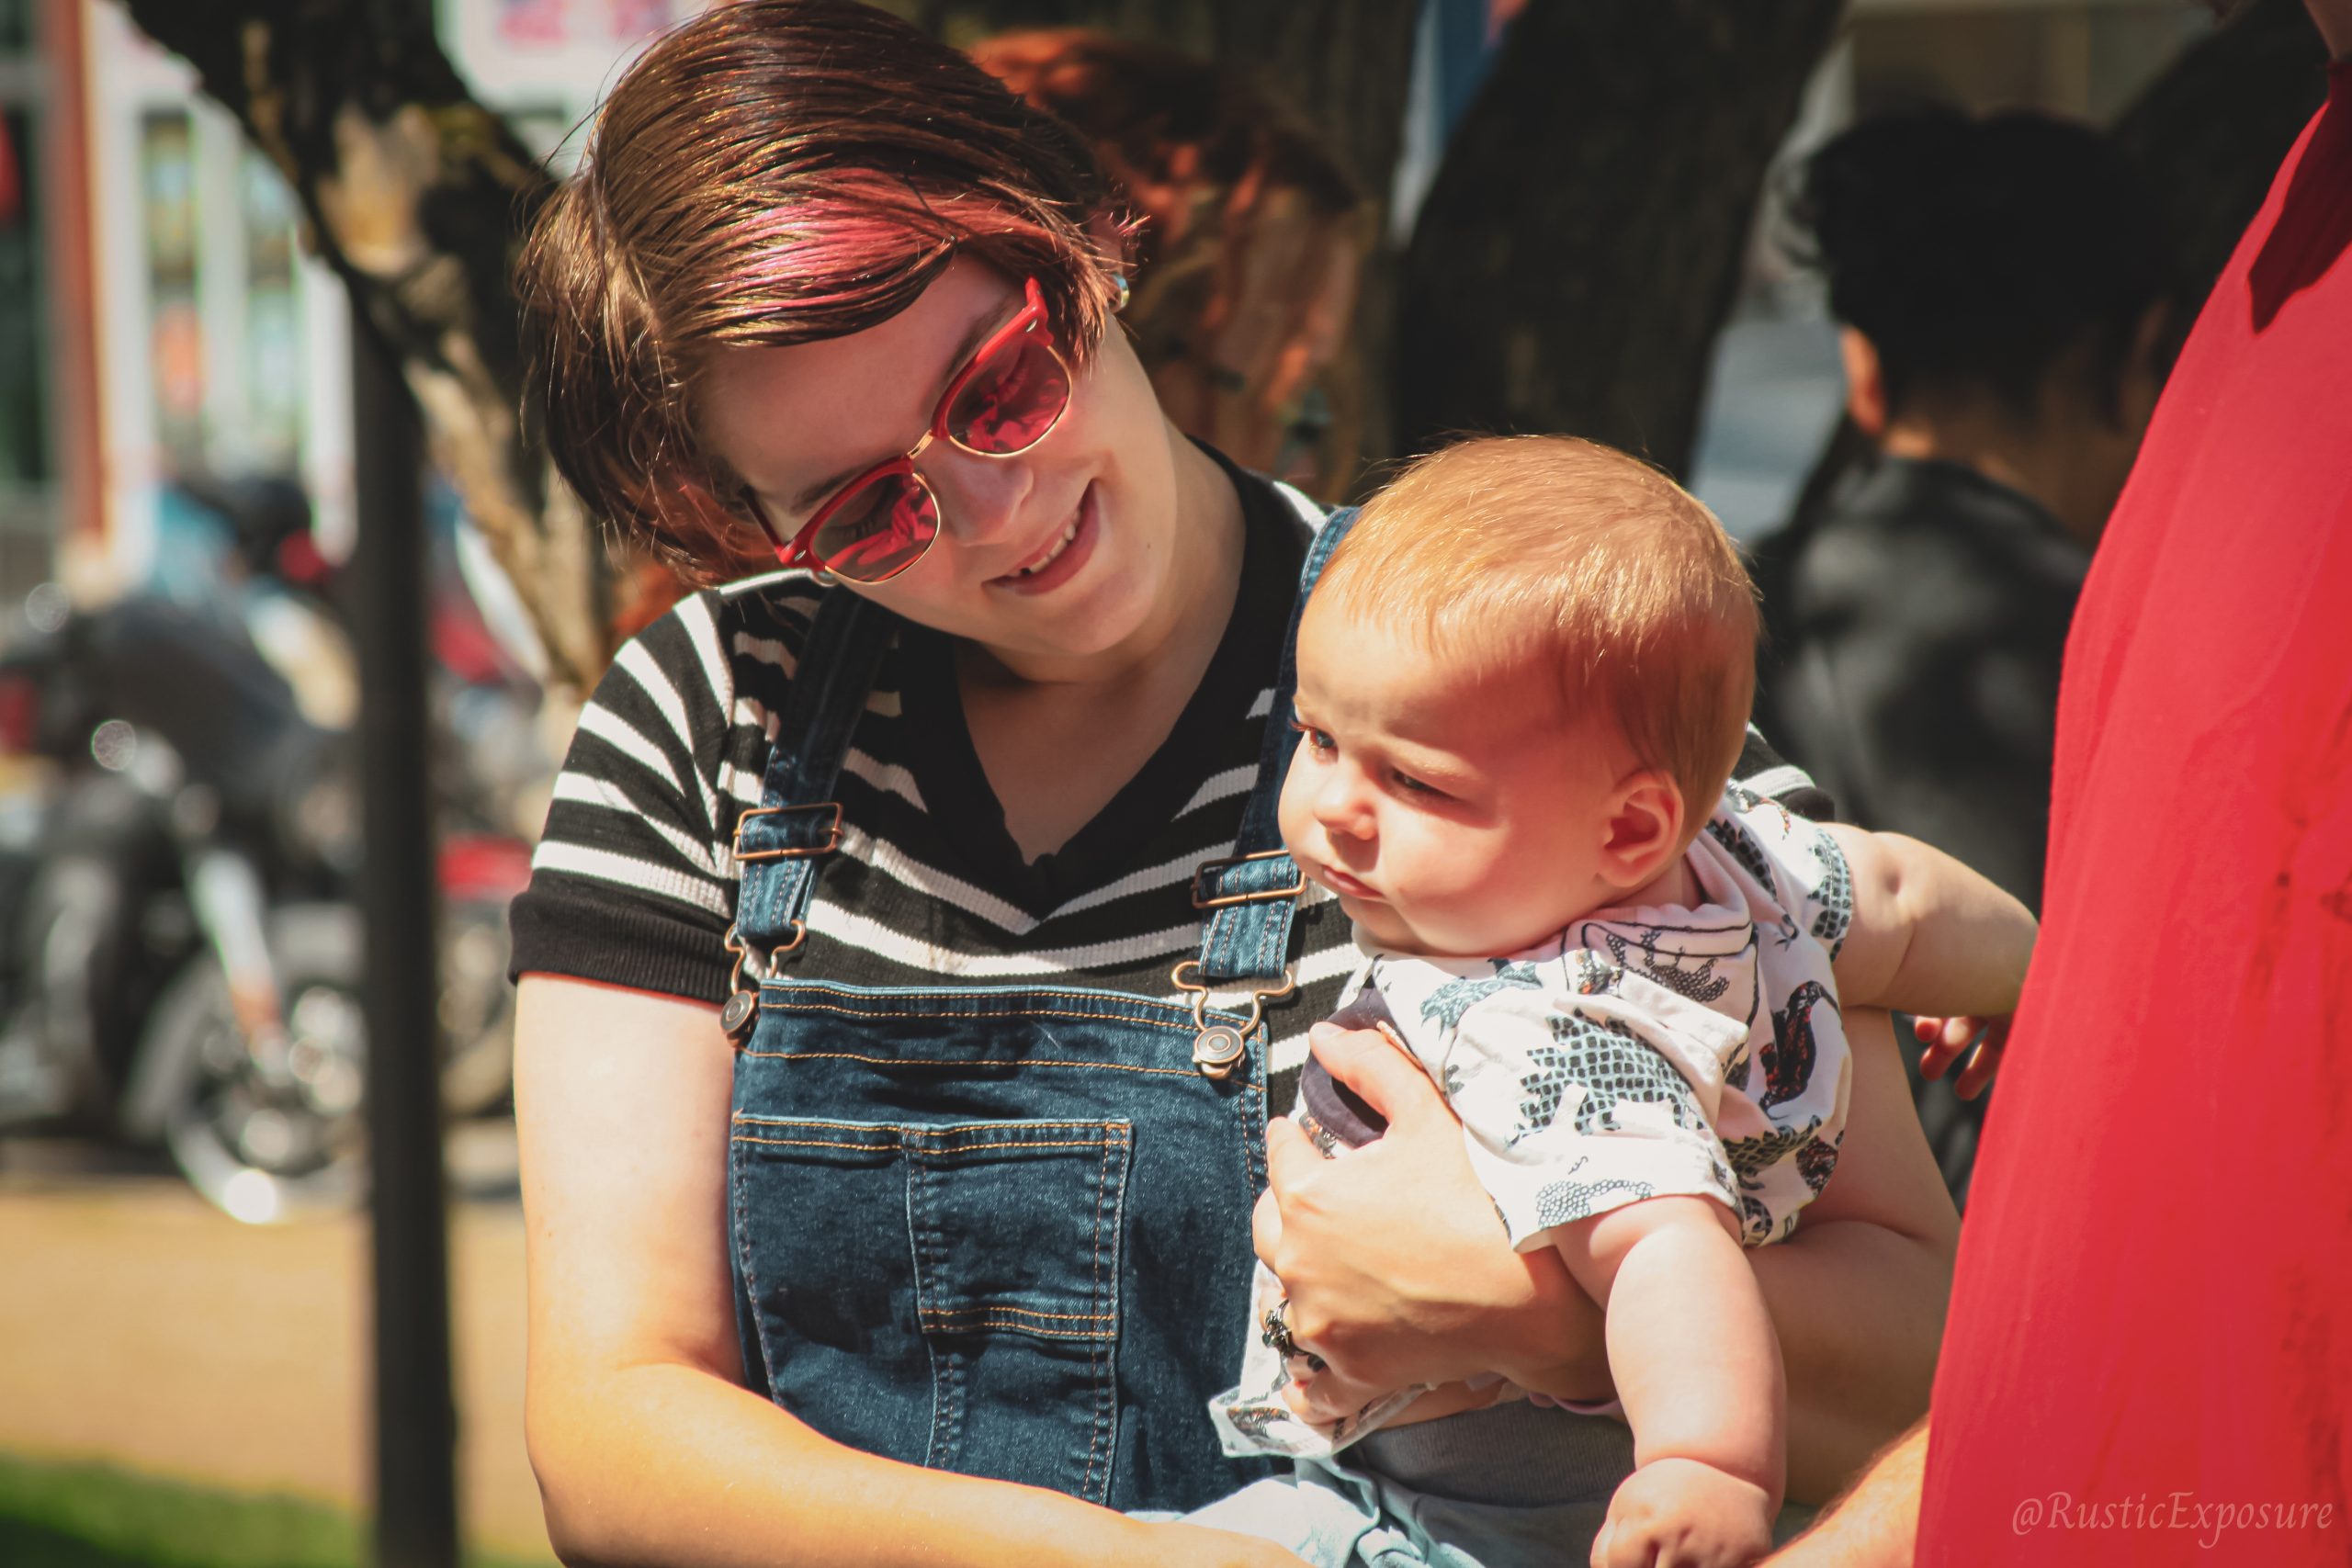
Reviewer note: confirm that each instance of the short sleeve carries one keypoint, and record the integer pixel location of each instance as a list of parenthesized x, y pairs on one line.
[(631, 883), (1796, 862)]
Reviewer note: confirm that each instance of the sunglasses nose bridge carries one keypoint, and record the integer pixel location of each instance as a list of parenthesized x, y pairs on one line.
[(978, 496)]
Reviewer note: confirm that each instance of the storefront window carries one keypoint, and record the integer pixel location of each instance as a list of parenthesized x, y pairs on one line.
[(175, 323)]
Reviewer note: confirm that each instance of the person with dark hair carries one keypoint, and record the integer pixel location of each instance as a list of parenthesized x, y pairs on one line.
[(910, 962), (1998, 284), (2147, 1357)]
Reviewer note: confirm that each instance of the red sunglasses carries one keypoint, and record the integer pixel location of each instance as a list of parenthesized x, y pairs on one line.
[(1006, 399)]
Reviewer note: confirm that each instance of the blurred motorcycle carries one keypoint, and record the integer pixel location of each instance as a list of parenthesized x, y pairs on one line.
[(180, 960)]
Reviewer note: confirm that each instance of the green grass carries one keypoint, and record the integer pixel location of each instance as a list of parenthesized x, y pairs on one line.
[(89, 1516)]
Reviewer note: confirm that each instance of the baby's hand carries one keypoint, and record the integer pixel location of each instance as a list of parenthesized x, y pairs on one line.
[(1679, 1513), (1947, 1039)]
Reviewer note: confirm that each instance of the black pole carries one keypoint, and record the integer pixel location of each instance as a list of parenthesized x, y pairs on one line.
[(416, 1423)]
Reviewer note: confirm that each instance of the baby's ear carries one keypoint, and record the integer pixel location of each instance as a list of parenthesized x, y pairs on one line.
[(1644, 828)]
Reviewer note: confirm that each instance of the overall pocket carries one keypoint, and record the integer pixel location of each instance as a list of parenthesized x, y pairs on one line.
[(981, 1259)]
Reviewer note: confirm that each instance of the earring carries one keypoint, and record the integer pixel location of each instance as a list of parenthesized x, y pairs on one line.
[(1119, 281)]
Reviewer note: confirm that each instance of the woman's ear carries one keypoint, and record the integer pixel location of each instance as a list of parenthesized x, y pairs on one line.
[(1114, 241), (1644, 829), (1865, 382)]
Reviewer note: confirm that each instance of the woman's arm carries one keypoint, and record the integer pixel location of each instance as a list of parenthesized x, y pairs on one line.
[(647, 1446), (1859, 1293), (1399, 1272)]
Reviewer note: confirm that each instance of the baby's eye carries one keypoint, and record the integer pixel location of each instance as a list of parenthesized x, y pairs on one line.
[(1412, 785), (1316, 740)]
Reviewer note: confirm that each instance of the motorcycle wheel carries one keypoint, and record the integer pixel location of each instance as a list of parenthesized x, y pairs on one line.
[(271, 1140)]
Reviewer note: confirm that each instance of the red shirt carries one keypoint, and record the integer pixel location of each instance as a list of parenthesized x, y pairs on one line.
[(2151, 1337)]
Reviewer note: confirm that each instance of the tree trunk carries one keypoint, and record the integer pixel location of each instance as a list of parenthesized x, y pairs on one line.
[(1343, 62), (1343, 65), (1582, 243), (2212, 131), (417, 197)]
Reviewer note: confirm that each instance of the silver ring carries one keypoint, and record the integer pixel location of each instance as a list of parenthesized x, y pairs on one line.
[(1275, 1334)]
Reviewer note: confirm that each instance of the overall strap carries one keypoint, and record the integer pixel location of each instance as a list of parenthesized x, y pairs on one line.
[(1251, 897), (778, 842)]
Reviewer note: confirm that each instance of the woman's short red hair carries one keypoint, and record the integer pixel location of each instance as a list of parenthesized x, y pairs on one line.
[(771, 173)]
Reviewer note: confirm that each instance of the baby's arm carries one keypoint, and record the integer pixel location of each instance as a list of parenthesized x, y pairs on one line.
[(1929, 936), (1698, 1369)]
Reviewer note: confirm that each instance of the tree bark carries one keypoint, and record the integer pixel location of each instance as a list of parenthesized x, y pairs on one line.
[(1343, 62), (2211, 131), (1343, 65), (416, 195), (1582, 243)]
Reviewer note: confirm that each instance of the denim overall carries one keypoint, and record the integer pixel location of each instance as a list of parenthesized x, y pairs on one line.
[(1000, 1230)]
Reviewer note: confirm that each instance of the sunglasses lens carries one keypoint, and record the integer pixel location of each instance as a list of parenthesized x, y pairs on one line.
[(878, 531), (1011, 400)]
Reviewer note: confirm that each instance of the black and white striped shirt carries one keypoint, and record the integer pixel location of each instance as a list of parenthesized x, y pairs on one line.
[(634, 881)]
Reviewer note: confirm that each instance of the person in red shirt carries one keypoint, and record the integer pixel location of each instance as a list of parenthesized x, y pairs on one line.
[(2150, 1345)]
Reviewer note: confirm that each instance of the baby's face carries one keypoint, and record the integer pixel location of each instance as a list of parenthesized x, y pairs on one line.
[(1452, 817)]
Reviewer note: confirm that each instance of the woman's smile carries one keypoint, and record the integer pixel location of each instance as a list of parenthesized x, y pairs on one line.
[(1062, 557)]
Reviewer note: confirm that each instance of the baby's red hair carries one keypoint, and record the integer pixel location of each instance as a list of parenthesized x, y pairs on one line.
[(1511, 556)]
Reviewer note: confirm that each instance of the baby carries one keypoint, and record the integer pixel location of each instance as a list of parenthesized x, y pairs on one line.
[(1522, 685)]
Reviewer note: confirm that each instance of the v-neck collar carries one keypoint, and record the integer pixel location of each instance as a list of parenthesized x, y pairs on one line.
[(955, 787)]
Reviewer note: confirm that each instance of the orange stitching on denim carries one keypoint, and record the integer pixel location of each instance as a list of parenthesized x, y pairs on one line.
[(1253, 1093), (1024, 1311), (961, 1062), (919, 1126), (1094, 1356), (1025, 1329), (1185, 1008), (1175, 1027), (814, 1143), (742, 1243), (1018, 1143)]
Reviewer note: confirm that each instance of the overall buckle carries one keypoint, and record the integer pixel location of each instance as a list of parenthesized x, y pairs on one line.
[(1208, 883), (831, 839)]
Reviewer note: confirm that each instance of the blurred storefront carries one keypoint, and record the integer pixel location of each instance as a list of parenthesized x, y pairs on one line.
[(159, 313), (42, 242)]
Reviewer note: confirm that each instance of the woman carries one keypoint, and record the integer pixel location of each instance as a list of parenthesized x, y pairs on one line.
[(967, 1195), (1997, 284)]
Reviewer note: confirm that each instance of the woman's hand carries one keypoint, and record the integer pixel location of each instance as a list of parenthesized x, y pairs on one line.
[(1948, 1040), (1397, 1269)]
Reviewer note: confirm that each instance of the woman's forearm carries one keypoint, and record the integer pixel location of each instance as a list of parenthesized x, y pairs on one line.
[(1857, 1294), (1861, 1314), (666, 1463)]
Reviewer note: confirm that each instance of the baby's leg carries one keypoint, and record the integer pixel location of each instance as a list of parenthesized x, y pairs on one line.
[(1698, 1369)]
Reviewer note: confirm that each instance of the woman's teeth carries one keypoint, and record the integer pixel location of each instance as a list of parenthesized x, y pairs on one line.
[(1052, 554)]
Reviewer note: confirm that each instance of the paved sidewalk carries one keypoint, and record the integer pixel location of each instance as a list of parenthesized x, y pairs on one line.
[(139, 1327)]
